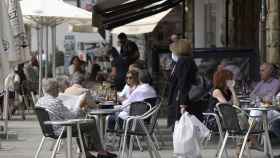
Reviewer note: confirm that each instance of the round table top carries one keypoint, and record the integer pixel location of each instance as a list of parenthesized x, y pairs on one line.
[(103, 111), (262, 108), (68, 122)]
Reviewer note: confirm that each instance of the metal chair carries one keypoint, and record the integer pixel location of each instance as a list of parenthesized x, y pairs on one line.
[(142, 125), (48, 132), (154, 101), (230, 123), (136, 109), (220, 129)]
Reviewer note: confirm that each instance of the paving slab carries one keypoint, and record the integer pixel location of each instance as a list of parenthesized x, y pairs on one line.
[(29, 136)]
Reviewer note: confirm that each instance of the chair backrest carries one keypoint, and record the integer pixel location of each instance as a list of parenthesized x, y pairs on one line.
[(43, 115), (153, 101), (153, 117), (138, 108), (229, 117)]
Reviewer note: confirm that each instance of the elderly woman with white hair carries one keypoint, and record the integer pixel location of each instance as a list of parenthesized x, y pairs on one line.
[(57, 111)]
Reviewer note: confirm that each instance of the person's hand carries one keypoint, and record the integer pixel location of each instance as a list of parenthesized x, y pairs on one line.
[(230, 84), (83, 104), (183, 108)]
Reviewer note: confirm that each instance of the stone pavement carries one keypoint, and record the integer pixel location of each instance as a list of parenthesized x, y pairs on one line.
[(29, 136)]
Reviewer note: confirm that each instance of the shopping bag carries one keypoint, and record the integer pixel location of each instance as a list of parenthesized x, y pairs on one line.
[(200, 129), (185, 141)]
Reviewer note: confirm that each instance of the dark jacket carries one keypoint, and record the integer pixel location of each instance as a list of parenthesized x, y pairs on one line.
[(130, 52), (122, 68), (182, 77)]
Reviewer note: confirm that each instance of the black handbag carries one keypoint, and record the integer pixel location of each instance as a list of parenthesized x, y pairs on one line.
[(198, 90)]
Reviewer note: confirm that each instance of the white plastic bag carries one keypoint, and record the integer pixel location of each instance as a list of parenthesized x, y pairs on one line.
[(185, 141), (200, 129)]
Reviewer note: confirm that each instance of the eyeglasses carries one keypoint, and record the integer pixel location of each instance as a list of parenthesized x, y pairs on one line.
[(129, 77)]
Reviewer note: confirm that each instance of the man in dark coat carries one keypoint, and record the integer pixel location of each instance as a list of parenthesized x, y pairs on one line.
[(119, 69), (129, 49), (183, 75)]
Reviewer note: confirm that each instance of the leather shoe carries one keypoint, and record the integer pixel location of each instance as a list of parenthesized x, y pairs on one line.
[(88, 155), (107, 155)]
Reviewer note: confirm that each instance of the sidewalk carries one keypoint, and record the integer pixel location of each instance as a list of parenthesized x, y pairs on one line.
[(29, 137)]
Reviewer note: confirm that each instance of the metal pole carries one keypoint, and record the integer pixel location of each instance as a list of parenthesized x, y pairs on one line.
[(262, 31), (193, 22), (79, 3), (47, 51), (53, 30), (40, 49), (226, 22), (183, 18)]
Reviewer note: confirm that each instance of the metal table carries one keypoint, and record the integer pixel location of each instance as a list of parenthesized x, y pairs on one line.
[(100, 114), (68, 124), (267, 143)]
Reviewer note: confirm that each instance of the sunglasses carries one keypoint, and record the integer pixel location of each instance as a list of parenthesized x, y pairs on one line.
[(129, 77)]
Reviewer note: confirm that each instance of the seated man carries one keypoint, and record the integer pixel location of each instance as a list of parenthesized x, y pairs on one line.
[(265, 90), (60, 112), (77, 89), (268, 86)]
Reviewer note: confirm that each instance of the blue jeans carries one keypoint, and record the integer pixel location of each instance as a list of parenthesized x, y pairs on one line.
[(276, 127)]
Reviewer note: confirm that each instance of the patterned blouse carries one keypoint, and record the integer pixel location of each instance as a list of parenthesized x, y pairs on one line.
[(57, 111)]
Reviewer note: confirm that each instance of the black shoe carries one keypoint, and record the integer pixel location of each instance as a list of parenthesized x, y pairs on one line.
[(112, 155), (107, 155), (89, 155)]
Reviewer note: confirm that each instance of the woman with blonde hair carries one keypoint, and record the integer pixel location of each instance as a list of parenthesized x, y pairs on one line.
[(182, 76)]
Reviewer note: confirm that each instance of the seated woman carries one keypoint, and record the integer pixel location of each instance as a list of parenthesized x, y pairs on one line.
[(224, 87), (59, 112), (143, 91), (132, 81)]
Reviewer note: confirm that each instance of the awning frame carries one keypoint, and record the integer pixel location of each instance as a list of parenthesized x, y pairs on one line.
[(126, 13)]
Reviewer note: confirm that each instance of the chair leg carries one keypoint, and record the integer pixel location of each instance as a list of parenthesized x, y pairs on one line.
[(139, 143), (52, 146), (40, 146), (150, 149), (124, 140), (150, 139), (245, 139), (131, 142), (81, 140), (58, 141), (160, 136), (156, 141), (223, 145)]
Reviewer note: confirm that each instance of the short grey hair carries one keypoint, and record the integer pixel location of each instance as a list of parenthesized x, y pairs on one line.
[(145, 77), (77, 78), (50, 86)]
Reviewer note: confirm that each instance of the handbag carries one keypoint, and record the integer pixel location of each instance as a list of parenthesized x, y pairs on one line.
[(198, 90)]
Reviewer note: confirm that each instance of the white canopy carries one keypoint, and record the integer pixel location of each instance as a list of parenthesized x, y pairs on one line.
[(145, 25), (57, 12)]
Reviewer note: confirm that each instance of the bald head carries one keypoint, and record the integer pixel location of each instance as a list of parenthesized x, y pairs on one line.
[(266, 70)]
